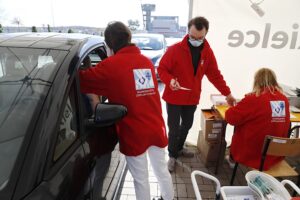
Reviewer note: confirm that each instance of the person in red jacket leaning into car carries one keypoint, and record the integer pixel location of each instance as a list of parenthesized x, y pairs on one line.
[(265, 111), (181, 69), (128, 78)]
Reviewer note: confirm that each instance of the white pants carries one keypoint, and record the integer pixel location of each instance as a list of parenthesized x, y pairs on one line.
[(138, 167)]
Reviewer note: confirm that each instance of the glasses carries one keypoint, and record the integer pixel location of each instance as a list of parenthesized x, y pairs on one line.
[(196, 39)]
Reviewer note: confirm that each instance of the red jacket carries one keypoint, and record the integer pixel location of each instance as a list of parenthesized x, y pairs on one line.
[(127, 78), (177, 63), (254, 118)]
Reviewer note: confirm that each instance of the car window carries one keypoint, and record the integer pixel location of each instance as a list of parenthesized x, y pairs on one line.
[(90, 60), (68, 128), (24, 84), (172, 41), (148, 43), (91, 100), (93, 58)]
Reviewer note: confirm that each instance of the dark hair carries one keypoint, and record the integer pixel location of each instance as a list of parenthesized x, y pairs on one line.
[(117, 35), (199, 22)]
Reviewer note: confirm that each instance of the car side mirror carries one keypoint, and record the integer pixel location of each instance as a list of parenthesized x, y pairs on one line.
[(107, 114)]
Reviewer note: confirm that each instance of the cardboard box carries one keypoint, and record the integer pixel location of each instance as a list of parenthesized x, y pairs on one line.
[(210, 152), (212, 125)]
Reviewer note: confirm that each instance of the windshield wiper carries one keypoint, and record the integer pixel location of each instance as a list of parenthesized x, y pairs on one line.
[(26, 79)]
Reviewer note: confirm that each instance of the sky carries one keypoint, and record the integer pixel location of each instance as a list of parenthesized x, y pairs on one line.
[(95, 13)]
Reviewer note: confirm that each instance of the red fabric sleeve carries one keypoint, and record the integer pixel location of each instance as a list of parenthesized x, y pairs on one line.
[(240, 113), (165, 66), (92, 80), (215, 77)]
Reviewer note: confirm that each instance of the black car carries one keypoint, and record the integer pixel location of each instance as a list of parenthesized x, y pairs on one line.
[(52, 145)]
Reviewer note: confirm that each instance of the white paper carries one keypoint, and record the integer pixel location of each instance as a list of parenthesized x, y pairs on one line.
[(279, 141), (218, 99), (292, 116), (217, 125), (216, 131), (184, 88), (43, 60)]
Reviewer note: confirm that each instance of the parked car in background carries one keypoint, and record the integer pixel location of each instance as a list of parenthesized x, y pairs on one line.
[(151, 45), (172, 40), (51, 146)]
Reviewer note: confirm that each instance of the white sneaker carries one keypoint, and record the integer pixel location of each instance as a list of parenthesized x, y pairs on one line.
[(230, 162), (185, 153), (171, 164)]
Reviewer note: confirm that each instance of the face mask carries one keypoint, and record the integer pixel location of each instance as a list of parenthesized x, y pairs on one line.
[(195, 43)]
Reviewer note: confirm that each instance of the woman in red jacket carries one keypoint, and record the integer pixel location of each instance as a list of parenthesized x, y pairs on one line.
[(127, 78), (265, 111)]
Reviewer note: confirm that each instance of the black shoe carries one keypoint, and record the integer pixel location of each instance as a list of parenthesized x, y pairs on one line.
[(185, 153), (157, 198)]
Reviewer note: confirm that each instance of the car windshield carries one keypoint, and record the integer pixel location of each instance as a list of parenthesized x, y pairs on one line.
[(148, 42), (171, 41), (25, 77)]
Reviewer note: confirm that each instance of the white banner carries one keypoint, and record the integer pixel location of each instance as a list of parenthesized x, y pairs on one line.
[(243, 41)]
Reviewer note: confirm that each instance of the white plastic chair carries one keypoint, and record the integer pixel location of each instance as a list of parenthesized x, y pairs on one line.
[(222, 192), (208, 176)]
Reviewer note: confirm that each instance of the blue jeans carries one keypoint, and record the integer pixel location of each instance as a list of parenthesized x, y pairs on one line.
[(180, 120)]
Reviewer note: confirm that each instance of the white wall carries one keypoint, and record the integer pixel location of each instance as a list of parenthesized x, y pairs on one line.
[(239, 63)]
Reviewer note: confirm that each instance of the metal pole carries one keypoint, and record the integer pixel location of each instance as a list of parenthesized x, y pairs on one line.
[(191, 5), (52, 13)]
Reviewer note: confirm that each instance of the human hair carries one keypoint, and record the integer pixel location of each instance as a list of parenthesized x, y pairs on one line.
[(117, 35), (199, 22), (265, 78)]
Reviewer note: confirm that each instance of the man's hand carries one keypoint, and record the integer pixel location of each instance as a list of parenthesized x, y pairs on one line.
[(174, 84), (231, 100)]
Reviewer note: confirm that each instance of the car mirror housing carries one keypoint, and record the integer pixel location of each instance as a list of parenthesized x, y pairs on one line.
[(107, 115)]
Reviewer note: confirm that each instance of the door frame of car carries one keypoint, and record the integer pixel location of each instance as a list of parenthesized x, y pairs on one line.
[(45, 169)]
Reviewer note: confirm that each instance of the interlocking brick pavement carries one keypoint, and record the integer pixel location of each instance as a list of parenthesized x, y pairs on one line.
[(182, 179)]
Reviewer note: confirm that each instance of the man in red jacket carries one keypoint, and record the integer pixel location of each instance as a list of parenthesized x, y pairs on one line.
[(181, 69), (127, 78)]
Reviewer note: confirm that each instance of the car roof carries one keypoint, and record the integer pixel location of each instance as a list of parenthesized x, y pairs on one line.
[(61, 41), (172, 40), (148, 35)]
